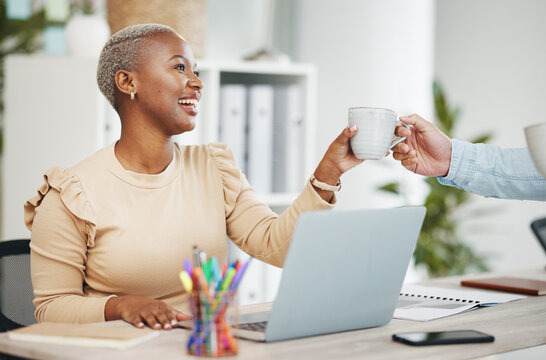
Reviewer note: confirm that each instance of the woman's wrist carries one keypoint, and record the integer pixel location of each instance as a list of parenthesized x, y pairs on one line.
[(111, 309), (324, 186), (327, 174)]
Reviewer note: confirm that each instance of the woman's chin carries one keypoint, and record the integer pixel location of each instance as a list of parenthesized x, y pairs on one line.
[(186, 127)]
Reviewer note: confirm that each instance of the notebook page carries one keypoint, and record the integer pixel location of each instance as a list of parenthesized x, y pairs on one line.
[(423, 303)]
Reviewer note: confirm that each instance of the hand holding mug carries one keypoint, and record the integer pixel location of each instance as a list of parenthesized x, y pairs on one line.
[(376, 127), (337, 160), (426, 151)]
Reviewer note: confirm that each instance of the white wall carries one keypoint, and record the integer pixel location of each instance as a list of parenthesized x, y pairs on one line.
[(39, 129), (368, 53), (237, 28), (490, 57)]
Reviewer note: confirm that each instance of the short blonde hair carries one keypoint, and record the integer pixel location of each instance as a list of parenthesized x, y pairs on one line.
[(121, 53)]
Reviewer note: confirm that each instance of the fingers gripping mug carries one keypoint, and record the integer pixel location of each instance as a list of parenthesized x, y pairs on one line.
[(375, 136)]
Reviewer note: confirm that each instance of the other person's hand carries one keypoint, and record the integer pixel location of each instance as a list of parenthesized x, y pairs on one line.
[(426, 151)]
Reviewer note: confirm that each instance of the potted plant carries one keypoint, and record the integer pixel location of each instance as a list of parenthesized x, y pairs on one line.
[(439, 247), (87, 30)]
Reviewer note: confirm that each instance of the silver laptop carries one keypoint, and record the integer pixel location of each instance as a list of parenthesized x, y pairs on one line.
[(343, 271)]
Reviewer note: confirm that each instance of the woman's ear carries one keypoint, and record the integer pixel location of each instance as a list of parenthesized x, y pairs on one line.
[(125, 83)]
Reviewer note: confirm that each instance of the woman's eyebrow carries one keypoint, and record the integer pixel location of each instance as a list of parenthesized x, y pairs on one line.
[(183, 58), (179, 56)]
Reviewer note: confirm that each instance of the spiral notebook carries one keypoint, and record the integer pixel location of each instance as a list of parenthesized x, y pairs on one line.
[(423, 303)]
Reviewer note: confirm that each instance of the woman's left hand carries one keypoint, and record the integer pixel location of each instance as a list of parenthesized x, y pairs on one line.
[(338, 159)]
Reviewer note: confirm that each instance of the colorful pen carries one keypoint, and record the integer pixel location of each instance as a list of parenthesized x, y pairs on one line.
[(185, 278), (187, 266), (211, 289), (196, 260), (215, 270), (227, 279), (239, 274)]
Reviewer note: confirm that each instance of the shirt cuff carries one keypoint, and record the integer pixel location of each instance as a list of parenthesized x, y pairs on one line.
[(102, 306), (463, 155), (311, 196)]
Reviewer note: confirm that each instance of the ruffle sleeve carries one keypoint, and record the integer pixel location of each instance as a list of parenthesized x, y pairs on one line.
[(232, 177), (73, 197)]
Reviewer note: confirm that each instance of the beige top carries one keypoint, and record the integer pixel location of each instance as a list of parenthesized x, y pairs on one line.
[(99, 230)]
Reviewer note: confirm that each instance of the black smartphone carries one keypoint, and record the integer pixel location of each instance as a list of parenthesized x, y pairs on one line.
[(443, 337)]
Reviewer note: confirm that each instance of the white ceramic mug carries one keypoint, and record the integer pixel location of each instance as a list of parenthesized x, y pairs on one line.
[(536, 142), (375, 136)]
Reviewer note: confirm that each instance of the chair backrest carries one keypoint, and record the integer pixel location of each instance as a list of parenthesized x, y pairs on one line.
[(15, 285), (539, 228)]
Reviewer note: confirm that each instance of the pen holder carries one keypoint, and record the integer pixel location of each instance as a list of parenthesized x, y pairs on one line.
[(211, 333)]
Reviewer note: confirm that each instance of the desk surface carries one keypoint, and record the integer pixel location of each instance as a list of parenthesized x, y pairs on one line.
[(515, 325)]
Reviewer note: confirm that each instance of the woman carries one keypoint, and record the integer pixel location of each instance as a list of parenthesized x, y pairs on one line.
[(109, 235)]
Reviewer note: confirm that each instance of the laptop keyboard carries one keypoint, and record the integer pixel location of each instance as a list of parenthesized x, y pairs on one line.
[(256, 326)]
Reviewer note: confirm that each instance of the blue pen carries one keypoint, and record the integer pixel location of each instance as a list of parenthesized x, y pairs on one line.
[(188, 267), (215, 270), (237, 278)]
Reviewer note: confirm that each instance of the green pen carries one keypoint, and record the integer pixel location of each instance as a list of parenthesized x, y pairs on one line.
[(227, 279), (206, 271), (205, 265), (213, 271)]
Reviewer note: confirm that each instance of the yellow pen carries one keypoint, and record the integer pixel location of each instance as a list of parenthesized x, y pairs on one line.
[(186, 281)]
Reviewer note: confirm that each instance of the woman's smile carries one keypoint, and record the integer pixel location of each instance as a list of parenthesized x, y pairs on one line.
[(190, 104)]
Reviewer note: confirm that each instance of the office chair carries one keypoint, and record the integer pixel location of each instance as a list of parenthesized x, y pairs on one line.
[(16, 308), (539, 228)]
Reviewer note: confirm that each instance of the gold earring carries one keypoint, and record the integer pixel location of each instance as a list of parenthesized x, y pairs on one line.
[(132, 95)]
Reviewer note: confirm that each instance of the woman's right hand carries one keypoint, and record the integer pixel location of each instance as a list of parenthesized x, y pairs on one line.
[(139, 310)]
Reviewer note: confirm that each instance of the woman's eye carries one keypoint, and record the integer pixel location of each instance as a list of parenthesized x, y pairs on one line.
[(196, 73), (180, 67)]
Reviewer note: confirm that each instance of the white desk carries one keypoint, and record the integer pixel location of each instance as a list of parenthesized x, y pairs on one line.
[(515, 325)]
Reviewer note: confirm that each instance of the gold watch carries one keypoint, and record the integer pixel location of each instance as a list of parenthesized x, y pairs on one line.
[(324, 186)]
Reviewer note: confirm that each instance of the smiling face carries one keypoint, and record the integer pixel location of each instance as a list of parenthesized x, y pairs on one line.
[(167, 84)]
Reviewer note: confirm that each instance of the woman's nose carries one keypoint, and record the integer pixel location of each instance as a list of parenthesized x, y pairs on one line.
[(195, 83)]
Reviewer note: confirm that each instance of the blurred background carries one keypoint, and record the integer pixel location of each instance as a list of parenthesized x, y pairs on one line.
[(486, 57)]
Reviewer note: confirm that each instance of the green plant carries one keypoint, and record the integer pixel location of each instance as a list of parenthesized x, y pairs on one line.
[(86, 7), (439, 247), (16, 36)]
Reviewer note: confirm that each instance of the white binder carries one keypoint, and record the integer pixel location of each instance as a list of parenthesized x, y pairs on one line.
[(288, 139), (260, 141), (233, 120)]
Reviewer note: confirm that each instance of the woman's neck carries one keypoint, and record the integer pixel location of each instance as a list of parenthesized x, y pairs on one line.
[(144, 152)]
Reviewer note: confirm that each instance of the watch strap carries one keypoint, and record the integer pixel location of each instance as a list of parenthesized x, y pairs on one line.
[(323, 186)]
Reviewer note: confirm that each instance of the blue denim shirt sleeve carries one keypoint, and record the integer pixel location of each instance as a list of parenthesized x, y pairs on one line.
[(491, 171)]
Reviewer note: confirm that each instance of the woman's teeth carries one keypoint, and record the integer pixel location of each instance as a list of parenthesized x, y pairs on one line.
[(189, 102)]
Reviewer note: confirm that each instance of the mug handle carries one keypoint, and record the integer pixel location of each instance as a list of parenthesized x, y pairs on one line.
[(399, 140)]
